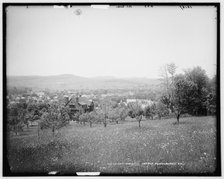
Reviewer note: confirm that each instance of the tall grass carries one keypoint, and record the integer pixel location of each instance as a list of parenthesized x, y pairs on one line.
[(157, 147)]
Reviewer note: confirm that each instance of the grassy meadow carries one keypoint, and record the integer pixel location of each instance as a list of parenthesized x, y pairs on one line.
[(158, 147)]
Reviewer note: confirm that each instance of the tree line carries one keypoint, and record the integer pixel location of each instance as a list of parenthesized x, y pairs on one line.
[(192, 92)]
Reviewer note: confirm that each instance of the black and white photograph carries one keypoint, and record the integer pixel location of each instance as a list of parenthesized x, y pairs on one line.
[(111, 89)]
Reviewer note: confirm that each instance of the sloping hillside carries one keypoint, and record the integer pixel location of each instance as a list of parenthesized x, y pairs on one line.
[(68, 81)]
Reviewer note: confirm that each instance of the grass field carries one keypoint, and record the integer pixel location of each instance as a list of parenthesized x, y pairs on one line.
[(158, 147)]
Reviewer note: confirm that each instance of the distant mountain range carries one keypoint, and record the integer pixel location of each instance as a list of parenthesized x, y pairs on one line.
[(68, 81)]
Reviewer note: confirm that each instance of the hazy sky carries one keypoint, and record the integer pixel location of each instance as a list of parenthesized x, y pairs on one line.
[(120, 42)]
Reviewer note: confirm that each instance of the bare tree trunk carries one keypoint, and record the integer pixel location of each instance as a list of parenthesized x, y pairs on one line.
[(105, 123), (207, 111), (178, 117)]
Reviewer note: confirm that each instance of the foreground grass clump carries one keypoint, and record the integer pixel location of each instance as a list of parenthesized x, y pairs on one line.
[(158, 147)]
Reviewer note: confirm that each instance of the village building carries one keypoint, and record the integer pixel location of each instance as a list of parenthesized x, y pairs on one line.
[(79, 104)]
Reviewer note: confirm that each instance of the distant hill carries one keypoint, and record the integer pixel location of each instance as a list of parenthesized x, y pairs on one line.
[(67, 81)]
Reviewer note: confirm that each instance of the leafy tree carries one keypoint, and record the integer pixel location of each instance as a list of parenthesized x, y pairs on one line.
[(199, 81), (54, 118), (75, 116), (26, 120), (65, 112), (123, 113), (184, 95), (211, 100), (106, 106), (84, 117), (198, 76), (136, 111), (92, 117), (166, 100), (15, 118), (33, 112), (100, 117), (150, 111), (211, 103), (89, 117), (114, 114), (161, 110), (42, 106), (15, 124)]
